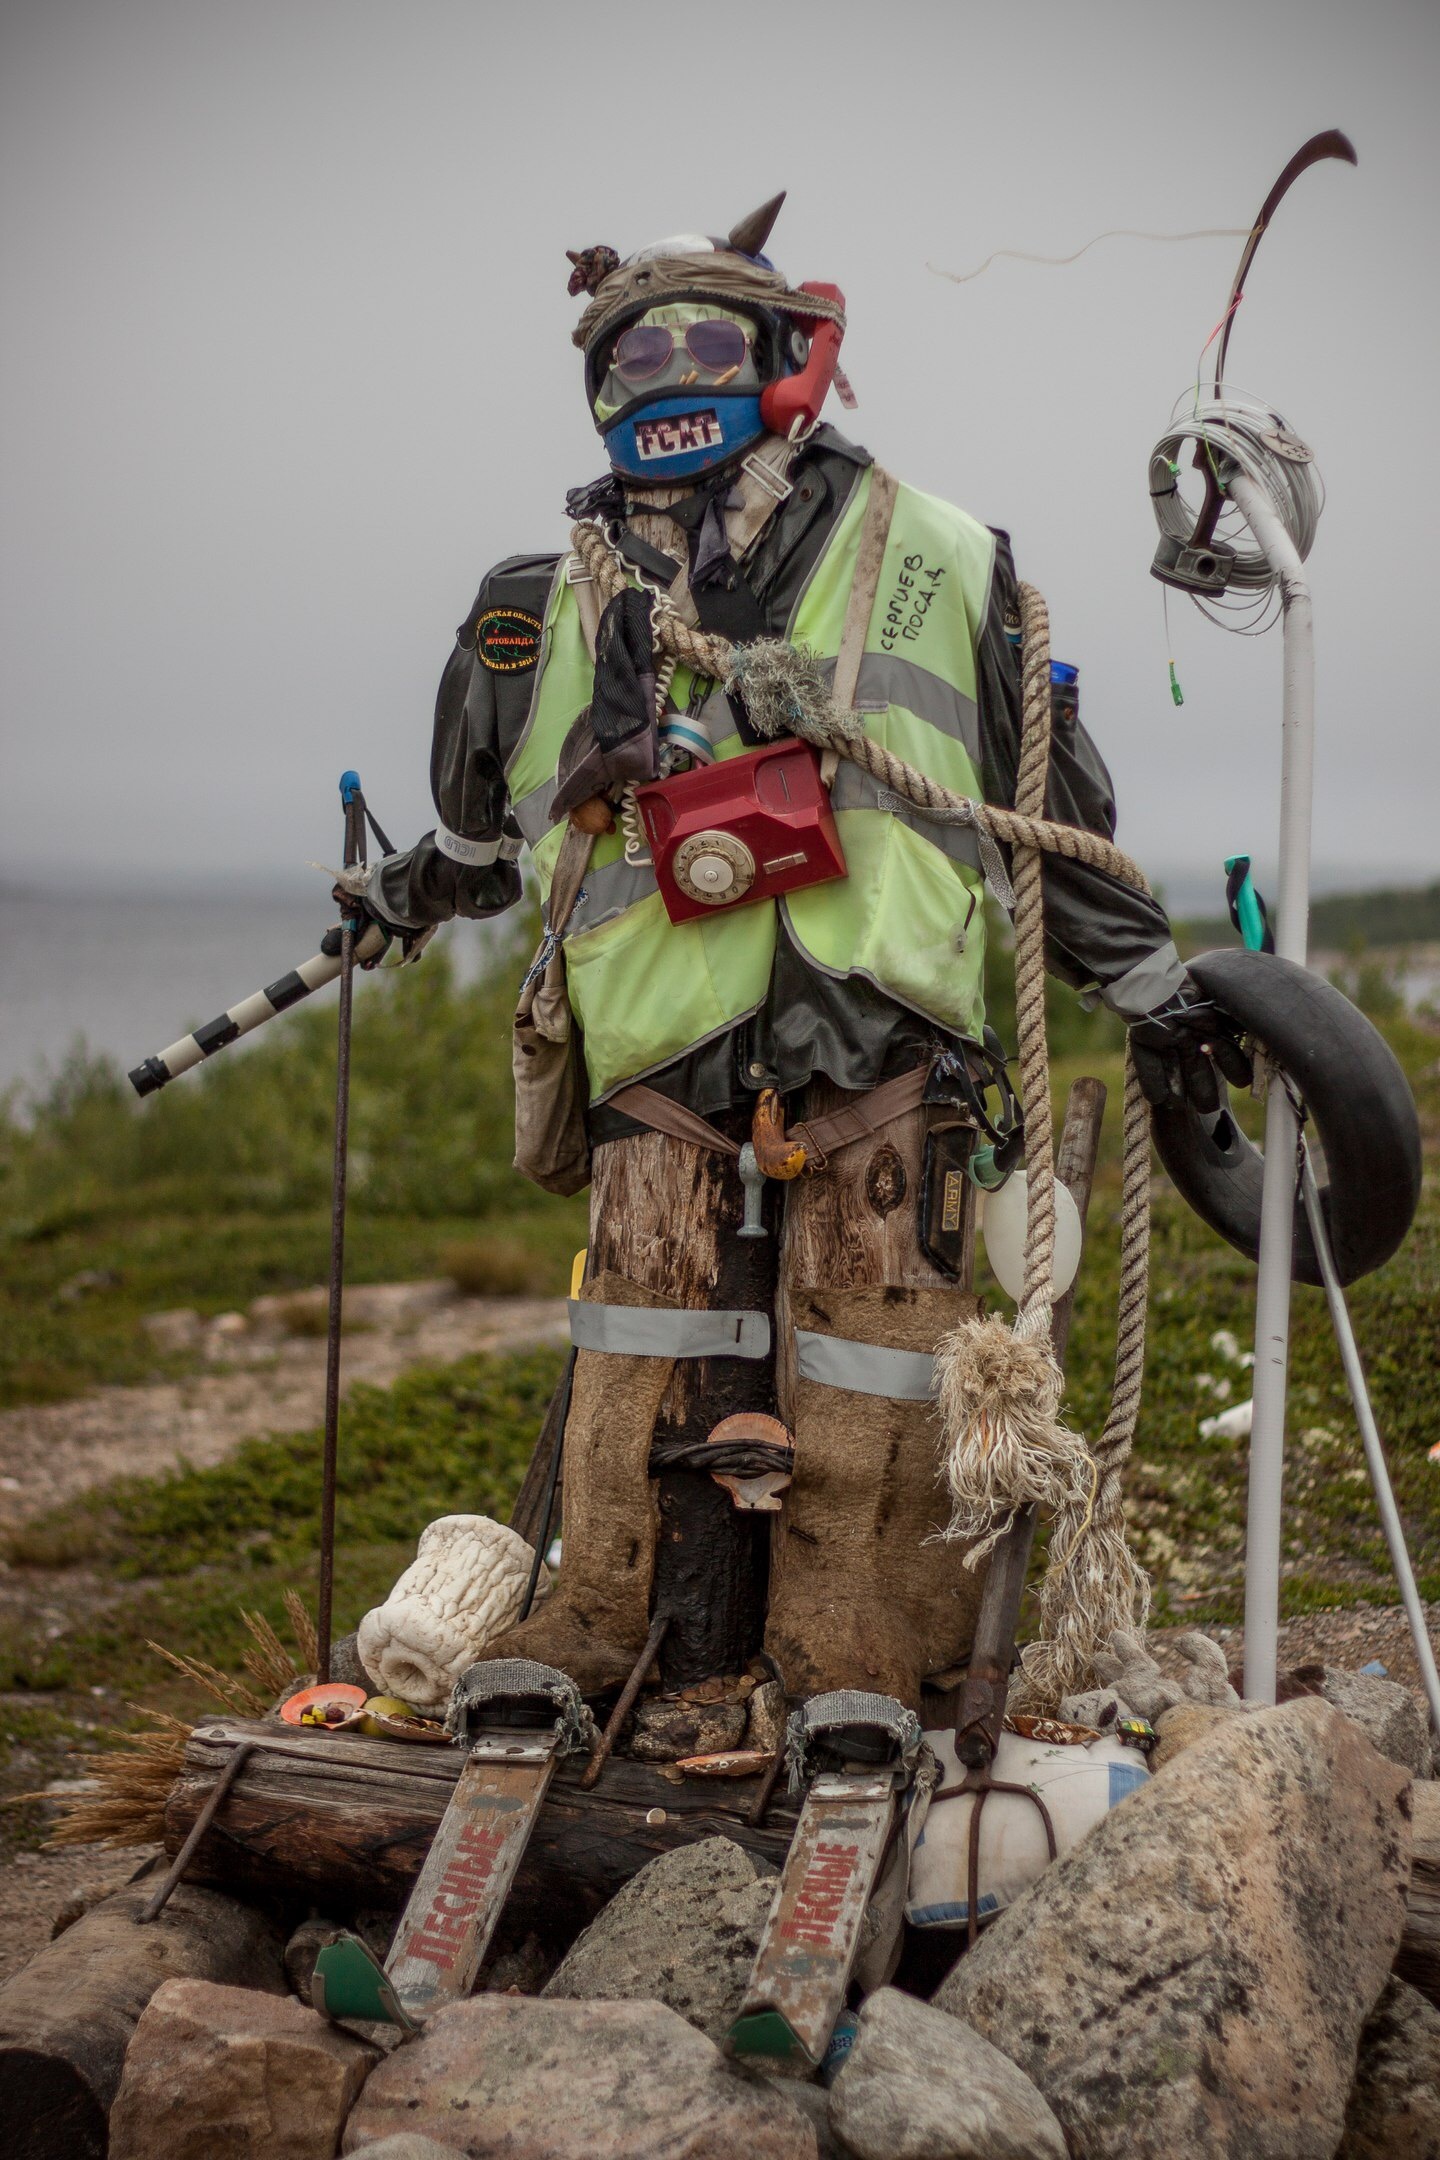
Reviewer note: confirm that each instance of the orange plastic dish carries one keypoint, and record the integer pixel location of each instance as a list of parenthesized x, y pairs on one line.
[(328, 1707)]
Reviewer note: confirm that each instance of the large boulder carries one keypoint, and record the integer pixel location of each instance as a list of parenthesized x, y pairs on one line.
[(1394, 2111), (223, 2069), (684, 1932), (511, 2076), (1193, 1977), (1389, 1715), (918, 2085)]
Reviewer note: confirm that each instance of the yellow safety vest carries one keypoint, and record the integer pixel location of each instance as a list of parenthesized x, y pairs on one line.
[(908, 916)]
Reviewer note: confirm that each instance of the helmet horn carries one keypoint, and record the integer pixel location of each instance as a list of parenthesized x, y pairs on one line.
[(751, 234)]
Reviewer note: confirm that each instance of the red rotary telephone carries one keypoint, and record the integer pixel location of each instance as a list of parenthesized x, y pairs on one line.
[(749, 828)]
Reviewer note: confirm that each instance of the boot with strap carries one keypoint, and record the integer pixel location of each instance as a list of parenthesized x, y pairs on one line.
[(594, 1623), (863, 1593)]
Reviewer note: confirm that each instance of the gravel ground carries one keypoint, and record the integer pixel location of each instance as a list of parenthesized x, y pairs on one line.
[(266, 1381)]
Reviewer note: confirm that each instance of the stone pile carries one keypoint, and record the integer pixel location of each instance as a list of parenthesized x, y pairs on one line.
[(1208, 1972)]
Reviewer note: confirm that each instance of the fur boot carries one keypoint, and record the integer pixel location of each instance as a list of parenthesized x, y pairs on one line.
[(863, 1593), (594, 1623)]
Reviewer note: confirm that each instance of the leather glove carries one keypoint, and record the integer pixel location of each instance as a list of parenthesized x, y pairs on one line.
[(615, 742), (1178, 1047)]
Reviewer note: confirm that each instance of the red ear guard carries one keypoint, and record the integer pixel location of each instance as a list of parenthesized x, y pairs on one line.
[(795, 400)]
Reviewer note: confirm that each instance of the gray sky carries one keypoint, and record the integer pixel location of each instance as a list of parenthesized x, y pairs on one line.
[(286, 365)]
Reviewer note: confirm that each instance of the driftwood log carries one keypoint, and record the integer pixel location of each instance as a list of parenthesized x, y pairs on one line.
[(67, 2016), (350, 1818)]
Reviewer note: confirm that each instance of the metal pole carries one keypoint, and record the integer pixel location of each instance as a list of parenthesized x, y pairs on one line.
[(354, 852), (1277, 1222), (1370, 1436)]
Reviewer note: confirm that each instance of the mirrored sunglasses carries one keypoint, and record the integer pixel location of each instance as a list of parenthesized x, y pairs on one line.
[(645, 350)]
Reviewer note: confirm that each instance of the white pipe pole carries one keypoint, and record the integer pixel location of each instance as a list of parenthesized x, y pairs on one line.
[(1374, 1452), (1277, 1222)]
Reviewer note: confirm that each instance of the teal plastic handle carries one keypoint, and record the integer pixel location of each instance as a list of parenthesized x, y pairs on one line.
[(1247, 907)]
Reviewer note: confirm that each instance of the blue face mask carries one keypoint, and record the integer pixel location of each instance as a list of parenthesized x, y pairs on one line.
[(681, 434)]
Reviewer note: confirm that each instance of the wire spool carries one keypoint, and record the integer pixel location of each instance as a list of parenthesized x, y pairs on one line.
[(1211, 438)]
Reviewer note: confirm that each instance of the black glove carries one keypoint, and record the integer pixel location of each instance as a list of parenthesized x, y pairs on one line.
[(615, 741), (364, 920), (1178, 1048)]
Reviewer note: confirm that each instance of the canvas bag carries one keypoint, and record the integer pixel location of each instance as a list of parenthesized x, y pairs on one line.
[(547, 1057)]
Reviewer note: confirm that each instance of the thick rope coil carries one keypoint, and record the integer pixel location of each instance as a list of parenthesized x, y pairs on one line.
[(999, 1389)]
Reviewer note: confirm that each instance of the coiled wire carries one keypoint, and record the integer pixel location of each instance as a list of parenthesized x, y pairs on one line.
[(1233, 429)]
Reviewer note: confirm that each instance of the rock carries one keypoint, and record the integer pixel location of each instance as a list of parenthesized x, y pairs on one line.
[(683, 1932), (262, 2070), (173, 1333), (812, 2101), (345, 1665), (918, 2085), (536, 2080), (666, 1730), (406, 2145), (1394, 2111), (303, 1948), (1389, 1715), (67, 2017), (765, 1723), (1180, 1728), (524, 1966), (1193, 1977)]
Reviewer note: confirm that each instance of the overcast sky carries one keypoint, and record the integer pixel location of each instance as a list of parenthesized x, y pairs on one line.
[(286, 366)]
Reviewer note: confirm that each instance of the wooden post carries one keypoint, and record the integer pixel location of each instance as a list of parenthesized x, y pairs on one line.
[(981, 1707), (665, 1215)]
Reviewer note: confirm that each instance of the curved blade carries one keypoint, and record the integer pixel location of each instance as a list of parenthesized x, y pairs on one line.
[(1329, 144)]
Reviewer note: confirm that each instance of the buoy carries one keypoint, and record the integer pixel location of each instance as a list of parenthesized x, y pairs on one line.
[(1002, 1226)]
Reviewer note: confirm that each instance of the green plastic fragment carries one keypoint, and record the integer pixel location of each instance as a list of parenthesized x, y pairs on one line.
[(1175, 690), (765, 2033), (348, 1982)]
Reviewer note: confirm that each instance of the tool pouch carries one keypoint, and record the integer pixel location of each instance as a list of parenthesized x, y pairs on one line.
[(552, 1089)]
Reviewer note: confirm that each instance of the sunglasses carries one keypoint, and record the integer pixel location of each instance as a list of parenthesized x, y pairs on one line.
[(646, 349)]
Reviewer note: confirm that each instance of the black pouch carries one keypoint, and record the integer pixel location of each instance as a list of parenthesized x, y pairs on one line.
[(947, 1201)]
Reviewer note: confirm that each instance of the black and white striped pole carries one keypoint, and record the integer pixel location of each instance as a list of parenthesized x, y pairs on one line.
[(354, 803)]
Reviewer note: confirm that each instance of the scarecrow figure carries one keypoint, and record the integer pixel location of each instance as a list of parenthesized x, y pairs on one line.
[(767, 976)]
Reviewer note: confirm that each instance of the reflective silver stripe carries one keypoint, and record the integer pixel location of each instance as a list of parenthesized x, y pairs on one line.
[(865, 1368), (886, 679), (1151, 983), (608, 891), (645, 1331), (856, 789), (476, 854), (532, 812)]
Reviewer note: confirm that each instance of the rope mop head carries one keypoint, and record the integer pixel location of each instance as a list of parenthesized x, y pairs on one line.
[(1005, 1447)]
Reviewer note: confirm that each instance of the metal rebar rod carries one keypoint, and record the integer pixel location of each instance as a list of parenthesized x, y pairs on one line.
[(1277, 1220), (1370, 1437), (552, 1479), (354, 849), (214, 1799), (626, 1703)]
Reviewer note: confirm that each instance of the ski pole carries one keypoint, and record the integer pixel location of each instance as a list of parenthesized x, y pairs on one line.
[(1370, 1439), (252, 1012), (354, 803)]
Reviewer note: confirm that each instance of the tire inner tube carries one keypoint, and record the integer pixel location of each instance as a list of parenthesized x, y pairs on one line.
[(1358, 1101)]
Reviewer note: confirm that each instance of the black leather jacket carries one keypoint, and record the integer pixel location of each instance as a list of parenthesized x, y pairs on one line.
[(1098, 932)]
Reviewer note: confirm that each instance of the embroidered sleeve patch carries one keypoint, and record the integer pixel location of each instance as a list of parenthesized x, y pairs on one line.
[(508, 640)]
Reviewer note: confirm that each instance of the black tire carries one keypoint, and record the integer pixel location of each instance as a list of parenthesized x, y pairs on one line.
[(1358, 1100)]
